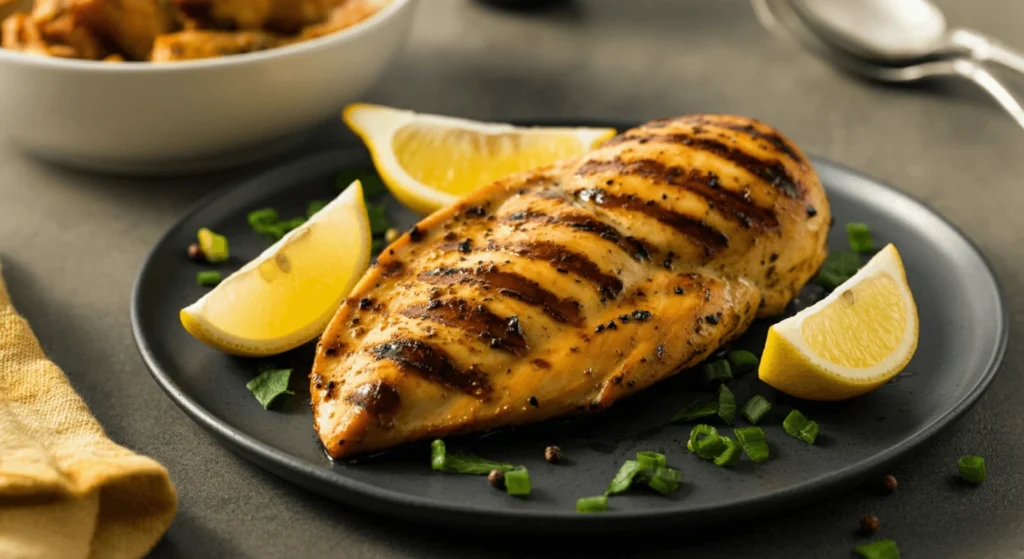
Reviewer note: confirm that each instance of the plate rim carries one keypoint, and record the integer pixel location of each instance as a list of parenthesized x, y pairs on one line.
[(395, 503)]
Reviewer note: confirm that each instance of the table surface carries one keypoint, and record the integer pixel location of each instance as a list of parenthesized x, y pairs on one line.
[(72, 243)]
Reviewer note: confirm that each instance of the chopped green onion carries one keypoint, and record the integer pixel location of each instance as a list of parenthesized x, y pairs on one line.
[(517, 482), (314, 206), (800, 427), (726, 404), (696, 410), (717, 371), (754, 443), (882, 549), (208, 278), (625, 476), (379, 222), (293, 223), (460, 463), (709, 447), (837, 268), (742, 361), (860, 237), (214, 246), (269, 385), (756, 408), (261, 217), (730, 456), (592, 504), (696, 432), (665, 480), (972, 468), (650, 459)]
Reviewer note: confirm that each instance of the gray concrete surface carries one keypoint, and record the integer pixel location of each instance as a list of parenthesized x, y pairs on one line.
[(71, 244)]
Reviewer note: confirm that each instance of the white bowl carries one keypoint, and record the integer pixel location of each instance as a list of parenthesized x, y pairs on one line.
[(142, 118)]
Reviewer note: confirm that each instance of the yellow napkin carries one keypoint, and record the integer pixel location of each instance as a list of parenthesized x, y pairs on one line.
[(66, 490)]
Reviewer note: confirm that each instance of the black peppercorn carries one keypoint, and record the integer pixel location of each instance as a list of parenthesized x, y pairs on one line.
[(553, 454), (497, 479), (869, 525)]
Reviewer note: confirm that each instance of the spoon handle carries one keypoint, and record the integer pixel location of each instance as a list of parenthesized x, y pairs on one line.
[(986, 49), (979, 75)]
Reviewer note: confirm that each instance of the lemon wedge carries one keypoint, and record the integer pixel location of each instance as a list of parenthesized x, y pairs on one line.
[(287, 295), (430, 161), (849, 343)]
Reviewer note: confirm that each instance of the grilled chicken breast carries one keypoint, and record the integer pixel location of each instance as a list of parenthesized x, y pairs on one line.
[(564, 289)]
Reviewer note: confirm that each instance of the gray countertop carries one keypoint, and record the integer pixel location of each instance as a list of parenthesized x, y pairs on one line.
[(72, 243)]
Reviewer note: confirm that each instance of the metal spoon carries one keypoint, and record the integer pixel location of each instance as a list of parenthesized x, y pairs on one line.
[(779, 17), (900, 32)]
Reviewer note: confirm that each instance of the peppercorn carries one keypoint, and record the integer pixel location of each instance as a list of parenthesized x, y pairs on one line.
[(889, 483), (553, 454), (195, 253), (497, 479), (869, 525)]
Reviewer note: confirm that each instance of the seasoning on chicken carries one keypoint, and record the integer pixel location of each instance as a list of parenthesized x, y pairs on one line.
[(495, 311)]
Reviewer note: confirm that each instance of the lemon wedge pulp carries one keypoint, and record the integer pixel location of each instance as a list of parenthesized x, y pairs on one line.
[(430, 161), (286, 296), (849, 343)]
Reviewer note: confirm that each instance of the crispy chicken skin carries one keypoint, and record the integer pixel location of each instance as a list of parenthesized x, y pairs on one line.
[(562, 290), (132, 25), (195, 44)]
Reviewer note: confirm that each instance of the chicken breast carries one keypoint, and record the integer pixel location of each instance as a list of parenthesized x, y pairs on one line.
[(562, 290)]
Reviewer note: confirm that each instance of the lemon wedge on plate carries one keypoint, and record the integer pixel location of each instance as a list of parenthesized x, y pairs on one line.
[(287, 295), (849, 343), (430, 161)]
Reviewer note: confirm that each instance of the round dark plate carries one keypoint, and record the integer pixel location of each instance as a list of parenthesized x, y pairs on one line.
[(963, 336)]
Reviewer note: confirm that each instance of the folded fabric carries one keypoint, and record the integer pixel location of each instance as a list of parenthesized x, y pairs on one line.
[(66, 490)]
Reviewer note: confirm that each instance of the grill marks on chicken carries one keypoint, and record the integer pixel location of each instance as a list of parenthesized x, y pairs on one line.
[(564, 289)]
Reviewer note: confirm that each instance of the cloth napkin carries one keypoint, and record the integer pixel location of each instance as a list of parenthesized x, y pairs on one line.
[(66, 490)]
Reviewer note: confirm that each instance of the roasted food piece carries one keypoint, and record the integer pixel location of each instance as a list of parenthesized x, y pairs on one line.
[(132, 25), (191, 45), (283, 16), (21, 33), (562, 290), (346, 15)]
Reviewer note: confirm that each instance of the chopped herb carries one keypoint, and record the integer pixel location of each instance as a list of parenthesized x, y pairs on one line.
[(696, 410), (314, 207), (726, 404), (837, 268), (517, 482), (649, 459), (730, 456), (665, 480), (754, 443), (860, 237), (717, 371), (262, 217), (269, 385), (696, 433), (800, 427), (379, 222), (463, 463), (624, 478), (882, 549), (742, 361), (592, 504), (208, 278), (293, 223), (373, 187), (972, 468), (709, 447), (756, 408), (214, 246)]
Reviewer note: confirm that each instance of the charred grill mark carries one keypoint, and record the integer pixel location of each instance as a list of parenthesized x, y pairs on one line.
[(773, 138), (729, 203), (477, 320), (638, 249), (378, 398), (431, 363), (564, 259), (511, 285), (709, 239)]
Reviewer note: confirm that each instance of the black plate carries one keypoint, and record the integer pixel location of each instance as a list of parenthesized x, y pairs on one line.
[(963, 336)]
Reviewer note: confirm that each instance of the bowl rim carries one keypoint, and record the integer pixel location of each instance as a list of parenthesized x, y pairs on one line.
[(392, 8)]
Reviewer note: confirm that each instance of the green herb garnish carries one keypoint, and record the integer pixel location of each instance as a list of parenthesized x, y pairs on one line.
[(625, 476), (696, 410), (262, 217), (592, 504), (697, 432), (463, 463), (756, 408), (742, 361), (730, 455), (800, 427), (972, 468), (726, 404), (268, 222), (214, 246), (719, 371), (860, 237), (710, 447), (665, 480), (837, 268), (314, 206), (517, 482), (754, 443), (882, 549), (650, 460), (269, 385), (208, 278)]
